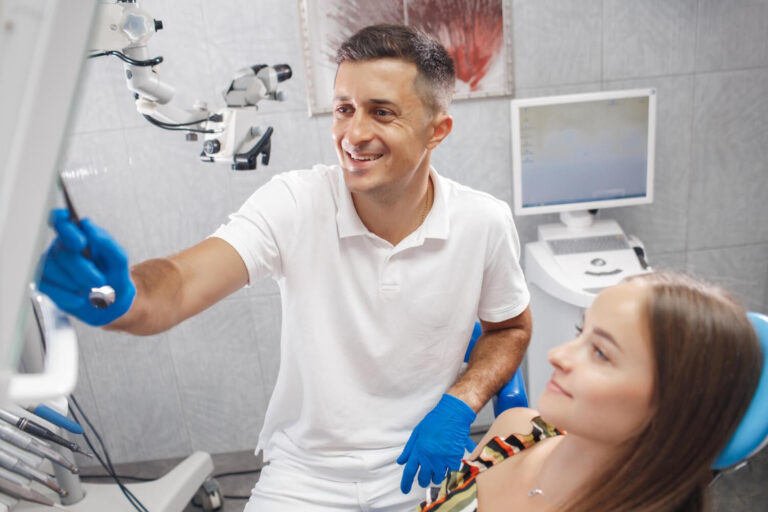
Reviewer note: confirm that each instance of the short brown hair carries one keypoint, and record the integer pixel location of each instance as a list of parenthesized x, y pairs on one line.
[(434, 64)]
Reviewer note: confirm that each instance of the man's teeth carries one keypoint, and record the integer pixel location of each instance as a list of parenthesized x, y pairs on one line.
[(364, 158)]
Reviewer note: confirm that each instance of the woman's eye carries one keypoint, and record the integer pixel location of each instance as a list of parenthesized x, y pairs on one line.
[(599, 353), (579, 328)]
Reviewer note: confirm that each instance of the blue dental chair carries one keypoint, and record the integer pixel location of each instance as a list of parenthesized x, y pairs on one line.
[(750, 437)]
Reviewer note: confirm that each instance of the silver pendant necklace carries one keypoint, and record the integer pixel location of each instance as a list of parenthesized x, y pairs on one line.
[(538, 491)]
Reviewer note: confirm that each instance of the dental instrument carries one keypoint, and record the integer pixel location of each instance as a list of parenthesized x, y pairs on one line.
[(16, 465), (101, 297), (40, 448), (56, 418), (20, 492), (40, 431)]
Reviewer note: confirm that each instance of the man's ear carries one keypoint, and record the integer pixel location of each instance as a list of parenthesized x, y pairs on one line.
[(442, 124)]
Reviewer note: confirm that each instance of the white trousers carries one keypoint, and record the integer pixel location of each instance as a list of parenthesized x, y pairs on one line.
[(287, 488)]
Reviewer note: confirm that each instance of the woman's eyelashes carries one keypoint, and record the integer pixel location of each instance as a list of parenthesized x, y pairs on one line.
[(599, 353), (594, 347)]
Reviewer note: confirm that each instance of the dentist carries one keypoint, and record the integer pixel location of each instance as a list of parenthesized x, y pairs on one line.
[(383, 267)]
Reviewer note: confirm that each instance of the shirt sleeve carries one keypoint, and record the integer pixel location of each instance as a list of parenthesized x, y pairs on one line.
[(263, 229), (504, 292)]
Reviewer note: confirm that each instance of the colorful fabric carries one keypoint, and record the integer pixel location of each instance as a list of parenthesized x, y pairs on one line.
[(458, 492)]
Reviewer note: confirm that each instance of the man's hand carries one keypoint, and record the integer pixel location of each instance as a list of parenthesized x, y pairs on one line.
[(67, 276), (437, 443)]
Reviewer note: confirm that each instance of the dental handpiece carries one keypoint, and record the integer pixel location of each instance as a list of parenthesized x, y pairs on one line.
[(19, 467), (19, 492), (58, 419), (13, 477), (35, 429), (39, 448), (103, 296)]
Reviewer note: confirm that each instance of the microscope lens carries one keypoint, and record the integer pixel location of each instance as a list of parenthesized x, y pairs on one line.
[(283, 71)]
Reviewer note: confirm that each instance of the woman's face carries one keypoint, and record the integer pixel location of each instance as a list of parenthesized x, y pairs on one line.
[(602, 383)]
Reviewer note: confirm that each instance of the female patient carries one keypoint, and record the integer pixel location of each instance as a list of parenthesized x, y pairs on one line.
[(649, 392)]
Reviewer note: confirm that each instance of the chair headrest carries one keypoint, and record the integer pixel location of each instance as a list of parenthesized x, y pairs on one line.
[(752, 433)]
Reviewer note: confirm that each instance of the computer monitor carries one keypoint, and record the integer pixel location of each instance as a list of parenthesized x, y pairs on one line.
[(582, 152)]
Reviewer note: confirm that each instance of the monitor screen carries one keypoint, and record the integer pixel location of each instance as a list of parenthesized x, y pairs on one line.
[(583, 151)]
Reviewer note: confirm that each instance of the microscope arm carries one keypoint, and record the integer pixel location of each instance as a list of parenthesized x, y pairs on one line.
[(173, 115), (144, 80)]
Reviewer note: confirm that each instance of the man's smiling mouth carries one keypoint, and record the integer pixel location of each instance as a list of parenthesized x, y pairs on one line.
[(363, 158)]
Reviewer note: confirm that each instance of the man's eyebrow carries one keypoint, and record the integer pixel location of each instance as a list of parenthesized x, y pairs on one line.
[(606, 335), (383, 102), (375, 101)]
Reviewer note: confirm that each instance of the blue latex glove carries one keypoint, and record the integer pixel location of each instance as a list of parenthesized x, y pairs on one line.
[(67, 276), (437, 443)]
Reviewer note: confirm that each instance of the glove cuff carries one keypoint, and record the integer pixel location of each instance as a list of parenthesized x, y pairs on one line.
[(456, 408)]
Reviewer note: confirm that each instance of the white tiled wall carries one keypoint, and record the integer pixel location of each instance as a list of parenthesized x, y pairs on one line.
[(730, 159), (205, 384)]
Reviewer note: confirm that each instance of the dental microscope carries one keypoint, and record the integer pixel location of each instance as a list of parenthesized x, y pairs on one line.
[(231, 134)]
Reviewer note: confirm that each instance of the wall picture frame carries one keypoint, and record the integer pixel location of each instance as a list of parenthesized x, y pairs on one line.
[(477, 34)]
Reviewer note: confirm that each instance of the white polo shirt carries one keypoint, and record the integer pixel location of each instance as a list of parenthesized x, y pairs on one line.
[(372, 334)]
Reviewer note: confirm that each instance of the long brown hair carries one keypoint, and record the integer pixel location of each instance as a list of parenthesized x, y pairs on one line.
[(708, 363)]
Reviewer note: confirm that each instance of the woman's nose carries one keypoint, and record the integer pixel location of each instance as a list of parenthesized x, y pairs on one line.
[(560, 356)]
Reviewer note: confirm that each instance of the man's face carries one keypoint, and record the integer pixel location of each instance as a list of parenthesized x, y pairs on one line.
[(381, 128)]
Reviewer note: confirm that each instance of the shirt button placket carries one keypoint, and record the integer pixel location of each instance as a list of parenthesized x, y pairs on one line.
[(389, 282)]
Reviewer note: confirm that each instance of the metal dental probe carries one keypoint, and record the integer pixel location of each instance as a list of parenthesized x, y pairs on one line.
[(35, 429), (20, 492), (101, 297), (19, 467), (33, 445)]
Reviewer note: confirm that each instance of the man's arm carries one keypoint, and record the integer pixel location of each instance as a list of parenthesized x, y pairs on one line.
[(438, 441), (170, 290), (494, 360)]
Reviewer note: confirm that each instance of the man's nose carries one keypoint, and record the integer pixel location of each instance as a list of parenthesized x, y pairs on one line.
[(359, 130)]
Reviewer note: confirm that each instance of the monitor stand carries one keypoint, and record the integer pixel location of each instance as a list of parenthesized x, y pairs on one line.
[(578, 220), (578, 224)]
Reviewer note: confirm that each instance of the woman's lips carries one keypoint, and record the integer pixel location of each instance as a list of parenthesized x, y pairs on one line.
[(556, 388)]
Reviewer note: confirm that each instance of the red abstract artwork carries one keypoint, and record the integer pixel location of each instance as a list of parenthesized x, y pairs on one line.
[(471, 30)]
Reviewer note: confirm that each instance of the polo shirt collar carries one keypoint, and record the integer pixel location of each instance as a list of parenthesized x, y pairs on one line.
[(347, 220), (436, 225)]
